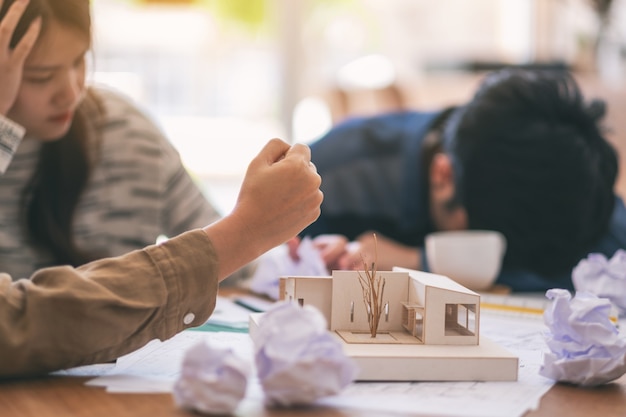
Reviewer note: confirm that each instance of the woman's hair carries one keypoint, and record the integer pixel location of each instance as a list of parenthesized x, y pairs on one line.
[(50, 198), (531, 161)]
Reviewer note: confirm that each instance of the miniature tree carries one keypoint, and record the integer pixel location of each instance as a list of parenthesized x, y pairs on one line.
[(373, 287)]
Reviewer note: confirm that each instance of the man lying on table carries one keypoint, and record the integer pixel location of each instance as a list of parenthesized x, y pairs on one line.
[(526, 156)]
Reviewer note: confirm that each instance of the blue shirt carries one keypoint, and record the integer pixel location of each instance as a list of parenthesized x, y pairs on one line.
[(373, 179)]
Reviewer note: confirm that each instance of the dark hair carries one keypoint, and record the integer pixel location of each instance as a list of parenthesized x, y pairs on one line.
[(50, 198), (531, 161)]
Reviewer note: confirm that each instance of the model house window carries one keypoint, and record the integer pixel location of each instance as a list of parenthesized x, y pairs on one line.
[(413, 320), (460, 319)]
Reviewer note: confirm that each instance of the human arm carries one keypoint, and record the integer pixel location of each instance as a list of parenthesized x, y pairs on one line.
[(332, 248), (386, 252), (270, 215), (12, 59), (11, 69), (64, 317), (338, 253)]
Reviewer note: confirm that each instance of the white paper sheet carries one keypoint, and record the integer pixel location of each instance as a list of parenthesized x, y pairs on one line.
[(155, 368), (228, 313), (522, 336)]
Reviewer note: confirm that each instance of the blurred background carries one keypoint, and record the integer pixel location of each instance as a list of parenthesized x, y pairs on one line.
[(223, 76)]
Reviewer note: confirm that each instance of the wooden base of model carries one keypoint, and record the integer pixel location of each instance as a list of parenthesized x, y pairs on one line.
[(428, 328), (418, 362)]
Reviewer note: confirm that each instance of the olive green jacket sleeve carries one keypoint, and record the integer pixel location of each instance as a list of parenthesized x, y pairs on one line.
[(64, 317)]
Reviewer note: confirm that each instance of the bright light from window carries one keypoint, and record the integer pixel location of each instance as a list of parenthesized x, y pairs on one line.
[(368, 72), (311, 119)]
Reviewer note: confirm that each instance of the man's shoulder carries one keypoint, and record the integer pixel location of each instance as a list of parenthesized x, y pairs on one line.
[(618, 218), (393, 121), (384, 130), (615, 236)]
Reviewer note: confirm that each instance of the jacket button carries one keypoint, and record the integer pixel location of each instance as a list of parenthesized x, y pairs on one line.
[(188, 318)]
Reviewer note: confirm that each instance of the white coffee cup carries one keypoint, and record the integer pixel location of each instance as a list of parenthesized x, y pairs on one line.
[(472, 258)]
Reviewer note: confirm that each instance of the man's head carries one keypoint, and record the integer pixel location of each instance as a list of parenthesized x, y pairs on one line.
[(529, 160)]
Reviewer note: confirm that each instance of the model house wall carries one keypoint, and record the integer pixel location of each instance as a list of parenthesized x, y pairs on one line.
[(431, 309)]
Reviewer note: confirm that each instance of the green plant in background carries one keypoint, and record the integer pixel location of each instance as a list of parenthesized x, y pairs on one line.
[(252, 15)]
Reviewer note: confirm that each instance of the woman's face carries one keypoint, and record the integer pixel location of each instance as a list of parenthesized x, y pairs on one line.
[(53, 83)]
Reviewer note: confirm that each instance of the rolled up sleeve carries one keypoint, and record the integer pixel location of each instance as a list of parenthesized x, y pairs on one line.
[(63, 317)]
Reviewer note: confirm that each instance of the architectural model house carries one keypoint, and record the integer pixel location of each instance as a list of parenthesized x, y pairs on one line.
[(428, 326), (418, 307)]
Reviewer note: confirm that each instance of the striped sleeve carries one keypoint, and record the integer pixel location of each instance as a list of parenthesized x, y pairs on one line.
[(11, 135)]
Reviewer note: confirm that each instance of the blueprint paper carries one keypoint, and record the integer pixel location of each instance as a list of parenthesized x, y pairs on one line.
[(521, 335), (229, 314), (154, 369), (298, 361), (585, 346)]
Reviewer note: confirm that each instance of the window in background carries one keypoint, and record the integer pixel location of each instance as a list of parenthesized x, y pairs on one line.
[(213, 85), (224, 76)]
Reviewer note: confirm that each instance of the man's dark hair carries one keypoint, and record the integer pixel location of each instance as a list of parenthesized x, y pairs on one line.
[(531, 161)]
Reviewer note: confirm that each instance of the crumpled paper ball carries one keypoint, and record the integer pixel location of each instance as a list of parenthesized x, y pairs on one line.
[(212, 380), (603, 277), (298, 360), (277, 263), (585, 346)]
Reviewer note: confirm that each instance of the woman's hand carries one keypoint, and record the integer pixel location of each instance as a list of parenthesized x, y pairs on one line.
[(12, 60), (332, 248), (279, 197), (280, 194), (386, 252)]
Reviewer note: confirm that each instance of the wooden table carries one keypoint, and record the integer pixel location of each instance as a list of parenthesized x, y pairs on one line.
[(69, 397)]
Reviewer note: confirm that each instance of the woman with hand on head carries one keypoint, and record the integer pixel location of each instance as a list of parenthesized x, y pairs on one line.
[(84, 173)]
